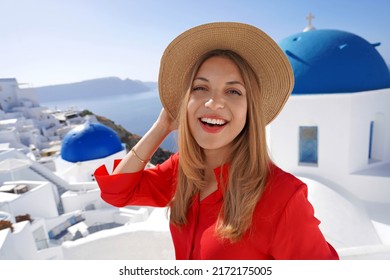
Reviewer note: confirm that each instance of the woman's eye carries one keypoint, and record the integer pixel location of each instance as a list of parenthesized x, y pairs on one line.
[(198, 88), (234, 91)]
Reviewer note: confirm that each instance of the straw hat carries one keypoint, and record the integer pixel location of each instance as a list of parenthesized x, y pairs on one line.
[(256, 47)]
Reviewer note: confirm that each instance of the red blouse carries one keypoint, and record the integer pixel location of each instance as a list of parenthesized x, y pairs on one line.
[(283, 224)]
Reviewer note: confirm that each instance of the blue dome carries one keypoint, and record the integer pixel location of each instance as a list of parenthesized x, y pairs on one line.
[(90, 141), (333, 61)]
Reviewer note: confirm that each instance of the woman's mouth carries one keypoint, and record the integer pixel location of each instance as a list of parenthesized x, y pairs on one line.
[(213, 122), (212, 125)]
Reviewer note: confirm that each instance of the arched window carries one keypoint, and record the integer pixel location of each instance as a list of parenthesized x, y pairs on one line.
[(308, 145)]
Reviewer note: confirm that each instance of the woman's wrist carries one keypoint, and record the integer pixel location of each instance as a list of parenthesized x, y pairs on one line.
[(143, 161)]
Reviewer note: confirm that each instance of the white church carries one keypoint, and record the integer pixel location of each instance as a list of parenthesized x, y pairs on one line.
[(334, 133)]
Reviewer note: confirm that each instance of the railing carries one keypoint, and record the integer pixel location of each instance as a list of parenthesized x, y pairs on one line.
[(102, 226), (59, 231)]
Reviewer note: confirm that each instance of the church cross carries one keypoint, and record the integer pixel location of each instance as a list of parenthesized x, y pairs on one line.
[(309, 18)]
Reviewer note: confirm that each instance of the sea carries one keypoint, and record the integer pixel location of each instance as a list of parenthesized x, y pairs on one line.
[(136, 112)]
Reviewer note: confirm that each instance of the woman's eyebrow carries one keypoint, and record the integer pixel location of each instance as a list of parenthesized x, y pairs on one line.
[(235, 83), (201, 78), (228, 83)]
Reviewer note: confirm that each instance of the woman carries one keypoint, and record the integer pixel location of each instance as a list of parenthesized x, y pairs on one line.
[(220, 84)]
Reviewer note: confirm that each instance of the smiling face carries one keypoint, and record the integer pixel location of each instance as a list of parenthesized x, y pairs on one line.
[(217, 106)]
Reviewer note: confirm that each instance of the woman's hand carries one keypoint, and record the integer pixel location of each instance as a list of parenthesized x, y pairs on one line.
[(165, 121), (137, 158)]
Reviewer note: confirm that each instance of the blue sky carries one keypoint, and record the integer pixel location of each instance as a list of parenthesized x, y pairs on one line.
[(46, 42)]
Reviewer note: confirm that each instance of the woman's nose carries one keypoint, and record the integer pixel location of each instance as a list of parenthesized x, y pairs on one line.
[(215, 102)]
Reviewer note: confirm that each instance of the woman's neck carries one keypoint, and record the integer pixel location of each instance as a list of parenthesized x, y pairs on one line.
[(213, 159), (216, 158)]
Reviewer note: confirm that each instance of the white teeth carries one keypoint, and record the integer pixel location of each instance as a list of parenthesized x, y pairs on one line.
[(213, 121)]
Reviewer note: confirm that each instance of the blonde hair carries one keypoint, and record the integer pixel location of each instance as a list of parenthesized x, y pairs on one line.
[(248, 163)]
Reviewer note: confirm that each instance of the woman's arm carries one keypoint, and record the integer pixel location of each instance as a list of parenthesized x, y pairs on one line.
[(298, 235), (141, 153), (131, 183), (148, 187)]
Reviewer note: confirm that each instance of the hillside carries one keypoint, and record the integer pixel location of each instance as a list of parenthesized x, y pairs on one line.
[(102, 87)]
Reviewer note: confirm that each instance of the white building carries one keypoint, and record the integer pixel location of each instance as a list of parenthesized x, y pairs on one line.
[(46, 214), (26, 125), (341, 138), (334, 133)]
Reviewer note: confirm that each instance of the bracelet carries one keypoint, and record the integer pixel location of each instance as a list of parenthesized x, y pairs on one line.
[(140, 159)]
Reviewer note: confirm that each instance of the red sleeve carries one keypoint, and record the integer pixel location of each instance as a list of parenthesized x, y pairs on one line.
[(298, 235), (150, 187)]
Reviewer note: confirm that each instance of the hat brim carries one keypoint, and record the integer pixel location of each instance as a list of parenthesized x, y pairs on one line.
[(262, 53)]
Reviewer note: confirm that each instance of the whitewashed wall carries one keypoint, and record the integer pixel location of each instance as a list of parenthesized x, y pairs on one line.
[(343, 122)]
